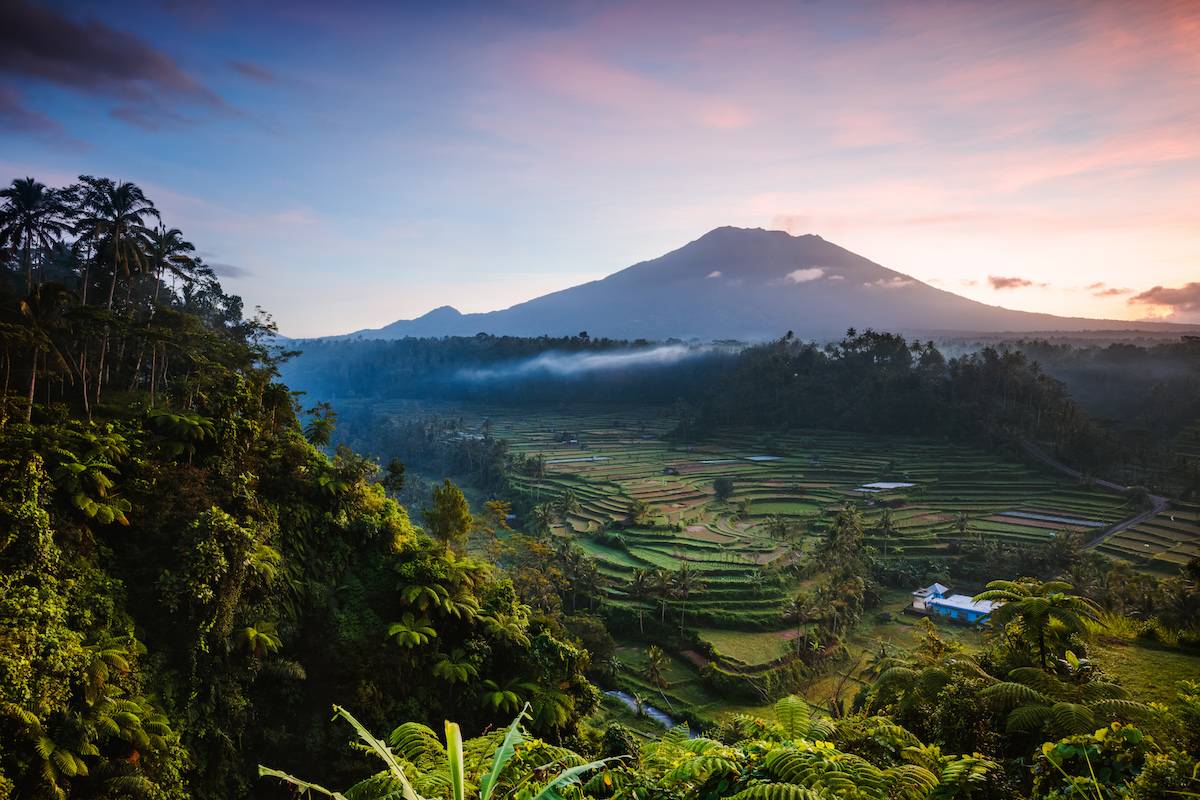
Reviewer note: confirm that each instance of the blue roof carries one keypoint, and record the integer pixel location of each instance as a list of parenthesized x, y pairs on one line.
[(962, 602)]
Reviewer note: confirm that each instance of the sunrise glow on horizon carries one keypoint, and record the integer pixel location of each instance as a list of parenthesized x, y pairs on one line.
[(348, 167)]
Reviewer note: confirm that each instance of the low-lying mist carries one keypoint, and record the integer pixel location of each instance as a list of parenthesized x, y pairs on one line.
[(567, 365)]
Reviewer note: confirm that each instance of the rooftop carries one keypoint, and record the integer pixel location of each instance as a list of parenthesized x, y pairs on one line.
[(963, 602)]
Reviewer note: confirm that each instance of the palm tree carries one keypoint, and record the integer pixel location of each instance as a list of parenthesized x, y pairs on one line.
[(640, 589), (639, 511), (568, 503), (663, 588), (964, 528), (32, 216), (115, 213), (1042, 609), (167, 251), (41, 318), (540, 519), (797, 609), (886, 529), (591, 582), (757, 580), (685, 581), (656, 662)]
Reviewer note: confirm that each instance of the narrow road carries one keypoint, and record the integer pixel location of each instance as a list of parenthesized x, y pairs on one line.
[(1158, 504)]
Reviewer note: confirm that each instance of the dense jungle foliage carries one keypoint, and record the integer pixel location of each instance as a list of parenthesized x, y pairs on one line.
[(190, 580), (187, 581)]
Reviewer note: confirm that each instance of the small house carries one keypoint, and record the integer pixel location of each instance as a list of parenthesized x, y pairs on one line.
[(936, 601), (921, 596)]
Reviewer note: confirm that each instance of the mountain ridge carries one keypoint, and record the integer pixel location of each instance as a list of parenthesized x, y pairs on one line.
[(750, 284)]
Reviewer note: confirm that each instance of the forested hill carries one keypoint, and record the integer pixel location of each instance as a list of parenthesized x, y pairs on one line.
[(187, 581)]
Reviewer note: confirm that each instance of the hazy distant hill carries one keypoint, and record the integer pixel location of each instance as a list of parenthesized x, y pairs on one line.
[(746, 284)]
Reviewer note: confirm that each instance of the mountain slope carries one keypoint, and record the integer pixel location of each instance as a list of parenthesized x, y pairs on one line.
[(745, 284)]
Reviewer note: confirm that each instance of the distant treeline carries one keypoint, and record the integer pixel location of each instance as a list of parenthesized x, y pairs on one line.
[(508, 369), (1119, 410), (1153, 387), (880, 382)]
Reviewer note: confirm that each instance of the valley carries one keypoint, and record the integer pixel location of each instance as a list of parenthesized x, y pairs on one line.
[(743, 513)]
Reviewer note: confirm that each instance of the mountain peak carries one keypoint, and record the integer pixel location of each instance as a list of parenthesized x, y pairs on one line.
[(743, 283), (441, 312), (737, 231)]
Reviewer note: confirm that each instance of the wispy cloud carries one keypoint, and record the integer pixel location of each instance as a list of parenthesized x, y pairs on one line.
[(895, 282), (92, 58), (253, 71), (805, 275), (1169, 301), (1101, 289), (1001, 282)]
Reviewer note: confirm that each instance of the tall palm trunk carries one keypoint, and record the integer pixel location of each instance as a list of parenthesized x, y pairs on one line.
[(28, 266), (112, 290), (32, 386)]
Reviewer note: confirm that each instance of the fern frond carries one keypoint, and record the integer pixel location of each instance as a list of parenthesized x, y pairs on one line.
[(779, 791)]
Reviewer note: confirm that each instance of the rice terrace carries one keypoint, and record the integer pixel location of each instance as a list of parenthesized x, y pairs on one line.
[(743, 511)]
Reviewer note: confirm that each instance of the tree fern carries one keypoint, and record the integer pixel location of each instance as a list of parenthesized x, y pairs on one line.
[(780, 791), (793, 714)]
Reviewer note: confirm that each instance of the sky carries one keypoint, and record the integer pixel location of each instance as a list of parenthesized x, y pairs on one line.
[(347, 164)]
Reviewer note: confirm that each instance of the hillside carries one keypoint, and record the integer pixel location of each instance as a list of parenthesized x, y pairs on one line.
[(746, 284)]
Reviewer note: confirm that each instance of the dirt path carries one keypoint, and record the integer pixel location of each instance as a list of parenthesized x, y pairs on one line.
[(1158, 504)]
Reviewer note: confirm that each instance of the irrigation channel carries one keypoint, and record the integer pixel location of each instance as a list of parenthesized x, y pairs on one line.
[(661, 717)]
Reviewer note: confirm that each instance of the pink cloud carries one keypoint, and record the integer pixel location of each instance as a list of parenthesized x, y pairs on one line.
[(593, 81)]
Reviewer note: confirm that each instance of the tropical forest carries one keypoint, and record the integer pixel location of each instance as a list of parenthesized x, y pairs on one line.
[(512, 567)]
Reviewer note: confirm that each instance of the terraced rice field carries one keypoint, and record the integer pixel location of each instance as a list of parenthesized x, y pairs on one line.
[(616, 460), (1161, 544), (612, 459)]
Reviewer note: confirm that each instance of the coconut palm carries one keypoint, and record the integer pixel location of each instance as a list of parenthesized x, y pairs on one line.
[(568, 503), (593, 584), (32, 217), (40, 323), (1044, 610), (656, 662), (964, 528), (663, 588), (117, 213), (886, 529), (541, 519), (168, 252), (639, 590), (685, 582)]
